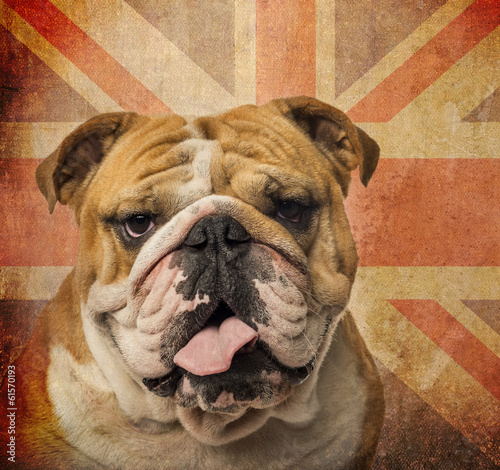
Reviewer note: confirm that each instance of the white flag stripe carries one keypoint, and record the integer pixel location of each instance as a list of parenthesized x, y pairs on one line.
[(245, 52), (438, 137), (325, 51), (33, 139), (446, 285), (31, 282)]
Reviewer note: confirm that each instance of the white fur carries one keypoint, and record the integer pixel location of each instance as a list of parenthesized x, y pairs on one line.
[(198, 182), (133, 429), (136, 402)]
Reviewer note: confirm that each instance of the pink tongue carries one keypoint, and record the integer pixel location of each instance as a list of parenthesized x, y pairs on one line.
[(211, 350)]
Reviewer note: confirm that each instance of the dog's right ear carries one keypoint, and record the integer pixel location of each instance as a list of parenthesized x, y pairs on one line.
[(61, 175), (345, 145)]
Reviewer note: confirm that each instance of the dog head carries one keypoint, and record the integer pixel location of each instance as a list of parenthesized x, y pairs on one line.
[(215, 256)]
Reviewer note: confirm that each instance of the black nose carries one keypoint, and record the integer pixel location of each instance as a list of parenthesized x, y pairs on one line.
[(221, 234)]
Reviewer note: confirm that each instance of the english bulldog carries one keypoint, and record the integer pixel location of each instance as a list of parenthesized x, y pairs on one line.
[(204, 325)]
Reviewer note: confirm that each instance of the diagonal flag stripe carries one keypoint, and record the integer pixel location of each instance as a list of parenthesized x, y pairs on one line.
[(88, 56), (454, 339), (415, 358), (397, 56), (446, 285), (430, 126), (55, 60), (457, 87), (428, 63), (147, 54), (487, 310)]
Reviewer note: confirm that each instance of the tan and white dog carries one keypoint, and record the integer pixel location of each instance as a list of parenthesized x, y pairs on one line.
[(204, 325)]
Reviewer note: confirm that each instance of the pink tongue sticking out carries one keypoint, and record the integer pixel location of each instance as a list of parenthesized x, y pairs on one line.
[(211, 350)]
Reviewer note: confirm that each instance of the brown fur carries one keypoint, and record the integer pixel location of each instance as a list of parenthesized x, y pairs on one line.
[(260, 148)]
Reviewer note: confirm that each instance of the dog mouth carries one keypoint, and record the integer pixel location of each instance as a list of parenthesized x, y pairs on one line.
[(225, 349)]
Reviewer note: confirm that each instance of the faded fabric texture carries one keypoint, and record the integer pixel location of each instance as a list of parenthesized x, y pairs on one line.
[(422, 77)]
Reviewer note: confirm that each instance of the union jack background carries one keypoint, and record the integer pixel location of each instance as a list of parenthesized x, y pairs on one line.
[(422, 77)]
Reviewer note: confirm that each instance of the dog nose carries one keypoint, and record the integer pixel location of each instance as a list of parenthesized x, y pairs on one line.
[(219, 233)]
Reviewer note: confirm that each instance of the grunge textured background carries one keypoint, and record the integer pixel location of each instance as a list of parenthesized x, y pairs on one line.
[(422, 77)]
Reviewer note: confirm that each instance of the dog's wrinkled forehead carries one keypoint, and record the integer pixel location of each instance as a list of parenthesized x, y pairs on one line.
[(252, 162), (301, 136), (170, 175)]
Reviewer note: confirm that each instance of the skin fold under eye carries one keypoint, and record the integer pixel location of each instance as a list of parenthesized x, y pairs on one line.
[(138, 225)]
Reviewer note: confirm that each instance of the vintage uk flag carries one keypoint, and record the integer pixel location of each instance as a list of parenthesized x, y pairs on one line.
[(422, 77)]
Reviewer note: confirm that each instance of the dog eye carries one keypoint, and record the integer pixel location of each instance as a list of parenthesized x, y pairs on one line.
[(138, 225), (290, 210)]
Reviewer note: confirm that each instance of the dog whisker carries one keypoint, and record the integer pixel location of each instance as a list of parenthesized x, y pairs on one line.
[(309, 343), (310, 310)]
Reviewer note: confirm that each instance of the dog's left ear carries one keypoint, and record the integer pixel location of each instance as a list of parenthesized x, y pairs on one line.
[(334, 133), (61, 175)]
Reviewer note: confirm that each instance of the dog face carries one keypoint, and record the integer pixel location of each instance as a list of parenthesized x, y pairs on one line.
[(215, 257)]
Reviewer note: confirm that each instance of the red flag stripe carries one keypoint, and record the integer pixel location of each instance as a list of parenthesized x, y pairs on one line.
[(285, 49), (88, 56), (454, 339), (427, 212), (30, 235), (428, 63)]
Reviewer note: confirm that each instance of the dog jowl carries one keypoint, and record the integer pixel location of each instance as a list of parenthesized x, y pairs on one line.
[(214, 268)]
